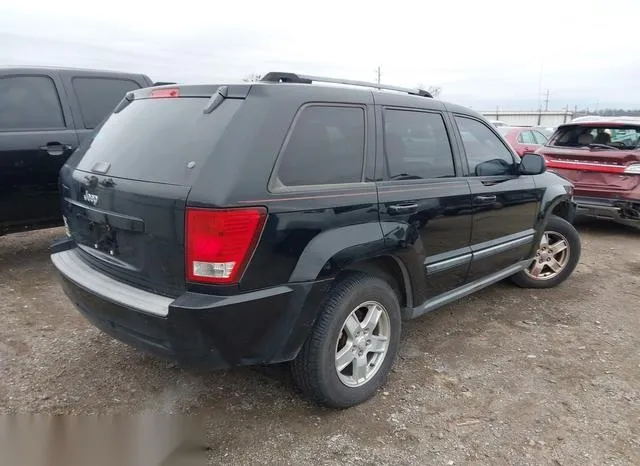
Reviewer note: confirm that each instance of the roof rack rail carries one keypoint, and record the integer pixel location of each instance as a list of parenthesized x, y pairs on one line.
[(281, 77)]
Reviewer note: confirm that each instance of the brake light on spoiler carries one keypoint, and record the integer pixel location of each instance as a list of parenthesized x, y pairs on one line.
[(165, 93), (633, 169), (220, 242)]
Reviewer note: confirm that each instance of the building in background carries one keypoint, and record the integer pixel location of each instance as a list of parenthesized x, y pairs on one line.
[(549, 119)]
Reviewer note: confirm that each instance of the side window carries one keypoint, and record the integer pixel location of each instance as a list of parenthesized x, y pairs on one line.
[(526, 137), (416, 145), (326, 146), (29, 102), (487, 155), (99, 96), (539, 137)]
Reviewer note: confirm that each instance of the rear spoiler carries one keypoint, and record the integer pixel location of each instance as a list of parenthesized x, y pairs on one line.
[(162, 83)]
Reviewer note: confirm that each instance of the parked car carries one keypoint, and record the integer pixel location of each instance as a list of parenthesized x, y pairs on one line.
[(523, 138), (602, 159), (44, 114), (291, 221)]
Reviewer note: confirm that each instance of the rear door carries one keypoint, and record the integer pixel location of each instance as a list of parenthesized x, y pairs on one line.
[(94, 96), (424, 201), (36, 136), (527, 142), (505, 204)]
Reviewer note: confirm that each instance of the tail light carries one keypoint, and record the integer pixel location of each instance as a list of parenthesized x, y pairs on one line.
[(219, 243)]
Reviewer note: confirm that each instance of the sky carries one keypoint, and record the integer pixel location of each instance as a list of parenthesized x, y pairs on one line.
[(482, 54)]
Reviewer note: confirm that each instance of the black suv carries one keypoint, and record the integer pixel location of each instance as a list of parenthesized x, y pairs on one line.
[(225, 225), (44, 114)]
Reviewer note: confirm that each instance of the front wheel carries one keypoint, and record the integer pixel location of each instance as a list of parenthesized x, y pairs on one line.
[(556, 258), (353, 343)]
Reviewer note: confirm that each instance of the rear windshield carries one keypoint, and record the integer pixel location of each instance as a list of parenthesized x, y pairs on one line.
[(615, 137), (159, 140)]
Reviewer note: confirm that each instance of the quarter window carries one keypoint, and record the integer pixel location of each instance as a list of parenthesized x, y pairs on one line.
[(526, 137), (326, 146), (99, 96), (486, 153), (29, 103), (539, 137), (416, 145)]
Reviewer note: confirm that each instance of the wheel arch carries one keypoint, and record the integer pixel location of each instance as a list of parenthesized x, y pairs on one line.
[(361, 247)]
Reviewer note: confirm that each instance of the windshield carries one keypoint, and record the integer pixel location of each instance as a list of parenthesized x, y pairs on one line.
[(160, 140), (616, 137)]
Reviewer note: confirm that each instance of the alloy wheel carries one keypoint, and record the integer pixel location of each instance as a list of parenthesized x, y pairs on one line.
[(362, 344), (552, 257)]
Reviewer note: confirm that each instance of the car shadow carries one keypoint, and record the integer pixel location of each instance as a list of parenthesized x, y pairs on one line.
[(602, 226)]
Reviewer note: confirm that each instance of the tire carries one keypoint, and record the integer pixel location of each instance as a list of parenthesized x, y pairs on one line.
[(315, 368), (557, 229)]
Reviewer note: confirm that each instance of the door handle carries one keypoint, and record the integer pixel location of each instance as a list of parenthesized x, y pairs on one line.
[(55, 148), (486, 198), (403, 208)]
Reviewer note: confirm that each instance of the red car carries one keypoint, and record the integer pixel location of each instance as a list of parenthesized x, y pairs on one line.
[(602, 159), (523, 139)]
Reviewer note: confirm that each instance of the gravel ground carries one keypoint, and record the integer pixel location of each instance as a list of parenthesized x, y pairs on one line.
[(506, 376)]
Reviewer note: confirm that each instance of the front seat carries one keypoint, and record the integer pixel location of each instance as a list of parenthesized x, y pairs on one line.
[(603, 138), (585, 139)]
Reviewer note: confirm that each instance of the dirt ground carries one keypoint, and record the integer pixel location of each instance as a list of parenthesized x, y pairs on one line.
[(506, 376)]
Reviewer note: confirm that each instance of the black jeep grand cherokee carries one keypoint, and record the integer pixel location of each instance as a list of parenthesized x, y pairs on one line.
[(224, 225)]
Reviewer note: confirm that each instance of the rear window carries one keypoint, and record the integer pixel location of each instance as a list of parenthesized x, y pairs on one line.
[(615, 137), (158, 139), (29, 103), (99, 96)]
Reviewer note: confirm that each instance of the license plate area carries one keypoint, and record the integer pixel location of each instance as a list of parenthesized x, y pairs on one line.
[(103, 237)]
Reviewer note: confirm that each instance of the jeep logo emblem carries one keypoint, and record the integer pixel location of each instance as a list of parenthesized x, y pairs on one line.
[(90, 198)]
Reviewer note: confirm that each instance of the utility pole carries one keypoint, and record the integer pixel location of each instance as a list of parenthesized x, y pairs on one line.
[(546, 102)]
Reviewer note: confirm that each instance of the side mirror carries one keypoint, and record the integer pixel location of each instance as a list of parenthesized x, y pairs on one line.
[(532, 164)]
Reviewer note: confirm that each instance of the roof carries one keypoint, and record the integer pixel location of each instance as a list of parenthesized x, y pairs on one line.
[(64, 68), (600, 121)]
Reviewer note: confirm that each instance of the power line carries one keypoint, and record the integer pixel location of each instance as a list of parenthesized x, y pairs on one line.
[(546, 102)]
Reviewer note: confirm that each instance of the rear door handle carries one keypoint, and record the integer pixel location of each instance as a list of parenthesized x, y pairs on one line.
[(55, 148), (403, 208), (486, 198)]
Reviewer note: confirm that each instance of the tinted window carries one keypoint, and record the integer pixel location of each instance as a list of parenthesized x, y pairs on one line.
[(416, 145), (326, 147), (526, 137), (487, 155), (99, 96), (539, 137), (156, 139), (29, 102)]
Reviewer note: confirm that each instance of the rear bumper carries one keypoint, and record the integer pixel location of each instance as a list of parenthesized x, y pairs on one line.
[(622, 211), (195, 329)]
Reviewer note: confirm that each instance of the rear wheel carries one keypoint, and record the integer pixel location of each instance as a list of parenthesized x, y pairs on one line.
[(556, 258), (353, 343)]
